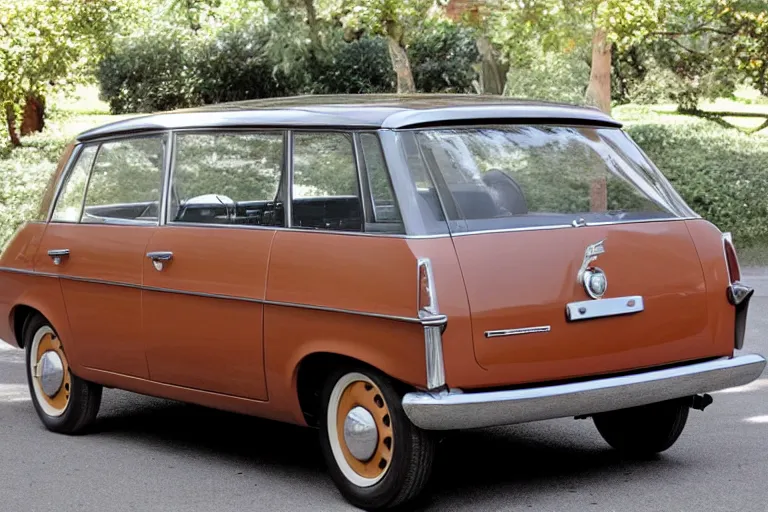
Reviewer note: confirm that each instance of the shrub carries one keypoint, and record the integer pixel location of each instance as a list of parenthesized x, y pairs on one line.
[(442, 58), (150, 72), (361, 66), (722, 174)]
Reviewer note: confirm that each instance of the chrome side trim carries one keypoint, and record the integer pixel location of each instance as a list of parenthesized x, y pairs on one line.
[(439, 319), (561, 226), (457, 410), (434, 323), (600, 308), (517, 332)]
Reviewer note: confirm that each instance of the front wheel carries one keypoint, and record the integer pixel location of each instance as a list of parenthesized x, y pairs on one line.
[(375, 455), (646, 430), (64, 402)]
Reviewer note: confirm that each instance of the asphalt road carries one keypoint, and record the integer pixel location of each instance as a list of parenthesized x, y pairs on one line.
[(147, 454)]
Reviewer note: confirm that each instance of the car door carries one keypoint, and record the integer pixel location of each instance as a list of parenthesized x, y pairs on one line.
[(205, 269), (105, 214)]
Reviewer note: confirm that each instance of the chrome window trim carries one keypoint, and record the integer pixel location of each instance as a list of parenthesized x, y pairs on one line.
[(383, 316), (164, 137), (288, 179), (168, 161), (362, 187), (215, 131)]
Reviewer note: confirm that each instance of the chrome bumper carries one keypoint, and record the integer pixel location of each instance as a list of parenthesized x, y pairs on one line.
[(457, 410)]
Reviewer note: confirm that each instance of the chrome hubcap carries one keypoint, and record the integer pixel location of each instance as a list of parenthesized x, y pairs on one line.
[(360, 433), (51, 372)]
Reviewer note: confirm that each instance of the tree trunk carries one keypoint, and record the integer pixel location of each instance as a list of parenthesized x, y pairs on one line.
[(33, 119), (402, 67), (314, 33), (10, 119), (599, 90), (493, 74)]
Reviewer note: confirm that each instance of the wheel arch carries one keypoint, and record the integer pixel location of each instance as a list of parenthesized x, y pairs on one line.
[(312, 370)]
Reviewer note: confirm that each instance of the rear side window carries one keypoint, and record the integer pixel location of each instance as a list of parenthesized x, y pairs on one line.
[(529, 176), (384, 215), (126, 182), (325, 186), (69, 206), (227, 178)]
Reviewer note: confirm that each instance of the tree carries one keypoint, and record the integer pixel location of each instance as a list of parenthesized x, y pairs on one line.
[(47, 45), (390, 18)]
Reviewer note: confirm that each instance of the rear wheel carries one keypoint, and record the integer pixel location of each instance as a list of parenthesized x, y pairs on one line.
[(646, 430), (375, 455), (64, 402)]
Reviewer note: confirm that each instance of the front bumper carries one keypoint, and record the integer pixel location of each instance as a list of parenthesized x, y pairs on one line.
[(456, 410)]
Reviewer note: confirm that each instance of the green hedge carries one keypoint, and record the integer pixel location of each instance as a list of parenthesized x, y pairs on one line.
[(722, 174), (170, 68)]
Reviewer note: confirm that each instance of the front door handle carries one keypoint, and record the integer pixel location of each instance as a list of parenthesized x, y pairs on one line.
[(57, 255), (160, 258)]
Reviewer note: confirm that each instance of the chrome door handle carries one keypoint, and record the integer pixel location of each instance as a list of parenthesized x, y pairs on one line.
[(57, 255), (159, 258)]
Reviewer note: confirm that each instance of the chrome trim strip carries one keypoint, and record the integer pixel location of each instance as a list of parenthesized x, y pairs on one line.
[(561, 226), (517, 332), (457, 410), (600, 308), (165, 194), (406, 319), (293, 230), (288, 178), (434, 323)]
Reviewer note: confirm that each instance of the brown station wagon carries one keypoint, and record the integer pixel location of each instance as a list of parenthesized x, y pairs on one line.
[(379, 267)]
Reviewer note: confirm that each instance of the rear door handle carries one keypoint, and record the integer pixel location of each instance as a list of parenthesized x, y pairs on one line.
[(160, 258), (57, 255)]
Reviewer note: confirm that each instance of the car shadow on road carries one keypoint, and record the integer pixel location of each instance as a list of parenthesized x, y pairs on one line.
[(523, 461)]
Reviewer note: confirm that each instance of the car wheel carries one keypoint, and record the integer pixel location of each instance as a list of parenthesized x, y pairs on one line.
[(646, 430), (64, 402), (376, 456)]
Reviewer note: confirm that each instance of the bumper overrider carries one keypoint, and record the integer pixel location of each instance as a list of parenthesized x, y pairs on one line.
[(449, 410)]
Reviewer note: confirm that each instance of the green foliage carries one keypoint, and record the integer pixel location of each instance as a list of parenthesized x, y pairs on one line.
[(722, 174), (361, 66), (151, 71), (47, 45), (551, 76), (24, 174), (443, 56)]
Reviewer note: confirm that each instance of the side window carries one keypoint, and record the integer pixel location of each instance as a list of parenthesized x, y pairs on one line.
[(70, 203), (227, 178), (325, 189), (383, 204), (126, 182)]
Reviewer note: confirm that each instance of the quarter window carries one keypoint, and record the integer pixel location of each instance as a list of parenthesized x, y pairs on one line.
[(69, 206), (325, 187), (126, 182), (384, 207), (227, 178)]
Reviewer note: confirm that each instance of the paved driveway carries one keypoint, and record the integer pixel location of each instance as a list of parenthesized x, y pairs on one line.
[(155, 455)]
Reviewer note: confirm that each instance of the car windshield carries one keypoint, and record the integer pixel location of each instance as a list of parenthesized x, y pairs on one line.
[(528, 176)]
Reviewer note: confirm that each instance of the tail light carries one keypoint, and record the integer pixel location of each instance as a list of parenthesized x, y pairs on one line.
[(731, 260)]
